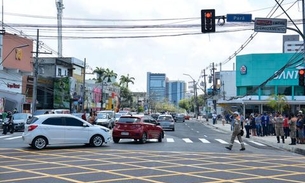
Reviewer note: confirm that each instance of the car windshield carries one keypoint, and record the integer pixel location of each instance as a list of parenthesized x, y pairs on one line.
[(32, 120), (128, 120), (20, 116), (102, 116), (165, 118), (118, 115)]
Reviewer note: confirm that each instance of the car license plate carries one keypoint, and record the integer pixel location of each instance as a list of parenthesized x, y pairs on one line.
[(124, 133)]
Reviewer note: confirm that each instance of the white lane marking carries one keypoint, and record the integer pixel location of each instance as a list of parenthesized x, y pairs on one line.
[(13, 138), (170, 140), (257, 143), (221, 141), (5, 136), (239, 142), (187, 140), (204, 140)]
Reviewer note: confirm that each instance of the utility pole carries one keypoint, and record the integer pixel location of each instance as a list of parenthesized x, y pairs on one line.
[(60, 7), (214, 87), (35, 73), (84, 85)]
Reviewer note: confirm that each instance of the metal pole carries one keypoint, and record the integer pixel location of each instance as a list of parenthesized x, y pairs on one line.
[(84, 85), (303, 18), (214, 88), (34, 97)]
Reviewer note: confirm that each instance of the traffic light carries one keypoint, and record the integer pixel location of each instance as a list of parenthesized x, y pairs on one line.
[(301, 77), (207, 21)]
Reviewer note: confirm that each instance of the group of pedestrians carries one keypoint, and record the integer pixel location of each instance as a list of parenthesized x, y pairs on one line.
[(279, 125)]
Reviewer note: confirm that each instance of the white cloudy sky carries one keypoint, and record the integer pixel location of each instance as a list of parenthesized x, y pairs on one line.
[(173, 55)]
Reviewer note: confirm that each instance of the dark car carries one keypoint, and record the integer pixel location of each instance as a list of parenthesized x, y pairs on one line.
[(180, 118), (137, 127), (155, 115)]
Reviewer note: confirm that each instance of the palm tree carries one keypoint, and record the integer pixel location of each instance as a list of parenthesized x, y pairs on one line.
[(100, 72), (109, 74), (126, 79)]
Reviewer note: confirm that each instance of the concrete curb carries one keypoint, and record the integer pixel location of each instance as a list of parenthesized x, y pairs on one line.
[(286, 146)]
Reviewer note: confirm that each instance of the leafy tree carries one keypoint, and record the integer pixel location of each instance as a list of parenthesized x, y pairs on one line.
[(109, 74), (185, 104), (125, 98), (100, 72), (125, 80), (278, 102)]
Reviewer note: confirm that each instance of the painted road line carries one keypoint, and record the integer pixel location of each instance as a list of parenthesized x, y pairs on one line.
[(13, 138), (204, 140), (170, 140), (257, 143), (239, 142), (187, 140), (221, 141), (5, 136)]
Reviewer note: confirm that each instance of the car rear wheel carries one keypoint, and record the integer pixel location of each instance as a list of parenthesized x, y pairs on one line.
[(39, 143), (116, 140), (144, 138), (160, 137), (97, 141)]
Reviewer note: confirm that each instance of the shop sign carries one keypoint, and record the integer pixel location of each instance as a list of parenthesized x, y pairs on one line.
[(288, 75), (13, 85)]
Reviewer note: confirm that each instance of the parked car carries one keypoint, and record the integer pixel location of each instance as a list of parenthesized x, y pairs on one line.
[(105, 120), (117, 117), (20, 120), (180, 118), (167, 122), (49, 129), (187, 117), (137, 127)]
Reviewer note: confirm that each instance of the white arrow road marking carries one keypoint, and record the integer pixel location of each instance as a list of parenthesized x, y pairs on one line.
[(187, 140)]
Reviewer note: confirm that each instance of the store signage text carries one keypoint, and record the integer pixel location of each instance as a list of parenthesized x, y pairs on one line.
[(13, 85), (288, 75)]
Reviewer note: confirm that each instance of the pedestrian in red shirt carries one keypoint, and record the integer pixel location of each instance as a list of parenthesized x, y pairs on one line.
[(286, 126)]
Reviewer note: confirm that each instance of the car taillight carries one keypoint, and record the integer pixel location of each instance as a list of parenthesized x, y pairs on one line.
[(135, 126), (32, 127)]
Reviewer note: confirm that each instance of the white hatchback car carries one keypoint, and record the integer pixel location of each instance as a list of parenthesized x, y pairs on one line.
[(49, 129)]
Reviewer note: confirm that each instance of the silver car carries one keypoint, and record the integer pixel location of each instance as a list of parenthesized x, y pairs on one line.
[(167, 122)]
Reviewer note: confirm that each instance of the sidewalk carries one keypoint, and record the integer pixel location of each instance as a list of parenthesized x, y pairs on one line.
[(268, 140)]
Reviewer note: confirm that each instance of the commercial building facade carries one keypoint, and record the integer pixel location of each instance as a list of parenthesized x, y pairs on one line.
[(258, 76), (175, 91)]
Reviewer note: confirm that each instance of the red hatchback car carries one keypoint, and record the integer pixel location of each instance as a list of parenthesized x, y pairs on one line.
[(137, 127)]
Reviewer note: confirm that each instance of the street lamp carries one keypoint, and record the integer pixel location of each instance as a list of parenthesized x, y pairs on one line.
[(195, 95), (20, 46)]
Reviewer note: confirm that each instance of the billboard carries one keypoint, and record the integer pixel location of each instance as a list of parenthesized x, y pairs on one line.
[(62, 93)]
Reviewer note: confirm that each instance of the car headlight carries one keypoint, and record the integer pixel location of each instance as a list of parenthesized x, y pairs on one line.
[(106, 130)]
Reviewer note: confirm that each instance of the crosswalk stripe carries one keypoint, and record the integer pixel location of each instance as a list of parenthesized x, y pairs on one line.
[(222, 141), (257, 143), (5, 136), (204, 140), (13, 138), (187, 140), (170, 140), (239, 142)]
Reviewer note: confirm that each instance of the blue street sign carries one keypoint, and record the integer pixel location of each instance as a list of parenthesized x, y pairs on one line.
[(239, 17)]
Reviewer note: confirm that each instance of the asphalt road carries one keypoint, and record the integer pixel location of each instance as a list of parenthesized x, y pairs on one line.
[(192, 153)]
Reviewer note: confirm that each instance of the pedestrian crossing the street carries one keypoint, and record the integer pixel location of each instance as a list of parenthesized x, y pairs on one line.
[(203, 140)]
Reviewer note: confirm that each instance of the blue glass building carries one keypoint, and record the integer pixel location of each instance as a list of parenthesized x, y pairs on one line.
[(175, 91), (156, 87)]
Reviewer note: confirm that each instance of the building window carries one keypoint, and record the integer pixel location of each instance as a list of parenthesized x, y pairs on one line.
[(59, 71), (284, 90), (268, 90), (65, 72)]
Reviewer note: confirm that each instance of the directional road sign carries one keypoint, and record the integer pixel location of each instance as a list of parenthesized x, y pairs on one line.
[(239, 17), (275, 25)]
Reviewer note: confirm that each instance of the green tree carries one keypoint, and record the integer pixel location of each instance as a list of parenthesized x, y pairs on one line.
[(185, 104), (278, 102), (100, 72), (109, 74), (125, 80)]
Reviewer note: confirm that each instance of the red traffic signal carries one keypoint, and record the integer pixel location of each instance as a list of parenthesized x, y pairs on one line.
[(207, 21), (301, 77)]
